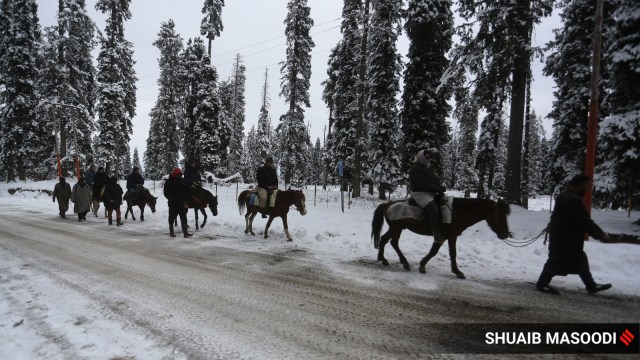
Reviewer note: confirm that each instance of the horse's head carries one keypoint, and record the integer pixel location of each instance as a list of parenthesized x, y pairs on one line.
[(150, 199), (213, 205), (299, 202), (497, 219)]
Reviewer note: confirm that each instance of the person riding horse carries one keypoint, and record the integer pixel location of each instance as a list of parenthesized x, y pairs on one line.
[(192, 174), (267, 179), (133, 180), (425, 188)]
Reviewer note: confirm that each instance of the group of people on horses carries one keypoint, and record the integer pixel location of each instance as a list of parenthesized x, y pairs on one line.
[(92, 188)]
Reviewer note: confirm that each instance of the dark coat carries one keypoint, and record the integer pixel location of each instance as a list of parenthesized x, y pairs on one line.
[(89, 177), (191, 175), (133, 180), (99, 181), (266, 177), (176, 191), (62, 193), (423, 179), (112, 196), (569, 222)]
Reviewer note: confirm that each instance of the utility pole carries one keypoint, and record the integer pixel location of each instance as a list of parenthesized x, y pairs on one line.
[(592, 127)]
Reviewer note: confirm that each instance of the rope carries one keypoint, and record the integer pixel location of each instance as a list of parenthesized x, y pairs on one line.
[(526, 242)]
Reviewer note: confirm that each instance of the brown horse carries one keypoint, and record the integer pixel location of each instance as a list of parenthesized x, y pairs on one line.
[(284, 200), (466, 212), (144, 198), (199, 201)]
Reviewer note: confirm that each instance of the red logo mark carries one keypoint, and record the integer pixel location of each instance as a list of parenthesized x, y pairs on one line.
[(626, 337)]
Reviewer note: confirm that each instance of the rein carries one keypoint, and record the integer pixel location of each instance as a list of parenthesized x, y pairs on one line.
[(526, 242)]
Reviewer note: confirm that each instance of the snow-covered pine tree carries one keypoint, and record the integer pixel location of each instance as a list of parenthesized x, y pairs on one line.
[(451, 161), (425, 109), (211, 24), (237, 114), (20, 128), (135, 160), (466, 113), (316, 162), (619, 173), (383, 76), (207, 122), (264, 141), (224, 95), (294, 87), (116, 87), (250, 157), (570, 67), (163, 142)]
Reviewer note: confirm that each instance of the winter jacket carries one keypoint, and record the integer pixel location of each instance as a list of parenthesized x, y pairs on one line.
[(89, 177), (569, 222), (81, 197), (423, 179), (62, 193), (101, 180), (133, 180), (267, 176), (112, 196), (176, 191), (191, 175)]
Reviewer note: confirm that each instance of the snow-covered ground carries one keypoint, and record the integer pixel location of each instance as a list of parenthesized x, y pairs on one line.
[(325, 235)]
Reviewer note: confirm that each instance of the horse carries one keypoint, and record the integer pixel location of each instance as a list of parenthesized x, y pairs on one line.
[(466, 212), (199, 201), (144, 198), (284, 199)]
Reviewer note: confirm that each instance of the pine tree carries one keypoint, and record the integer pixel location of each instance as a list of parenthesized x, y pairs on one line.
[(207, 144), (20, 128), (570, 67), (296, 72), (116, 87), (383, 76), (135, 161), (466, 113), (429, 28), (264, 141), (168, 112), (316, 164), (451, 161), (211, 25), (619, 142), (237, 115)]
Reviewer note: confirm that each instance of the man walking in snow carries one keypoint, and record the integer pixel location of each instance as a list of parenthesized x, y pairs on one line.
[(177, 193), (62, 192), (99, 183), (81, 197), (113, 199), (569, 222)]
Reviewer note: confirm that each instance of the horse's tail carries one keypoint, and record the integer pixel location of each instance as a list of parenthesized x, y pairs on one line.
[(242, 198), (377, 222)]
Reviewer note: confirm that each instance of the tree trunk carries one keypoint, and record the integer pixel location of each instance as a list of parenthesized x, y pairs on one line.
[(357, 169), (526, 156), (521, 69)]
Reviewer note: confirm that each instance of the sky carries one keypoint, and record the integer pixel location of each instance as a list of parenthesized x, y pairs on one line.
[(255, 30)]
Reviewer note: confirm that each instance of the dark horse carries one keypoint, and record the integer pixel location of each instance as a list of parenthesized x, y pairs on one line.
[(284, 199), (466, 212), (199, 201), (144, 198)]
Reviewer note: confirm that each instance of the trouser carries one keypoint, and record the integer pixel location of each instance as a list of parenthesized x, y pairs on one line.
[(174, 212), (262, 196), (433, 217), (117, 211), (548, 274), (95, 205), (63, 206), (82, 215)]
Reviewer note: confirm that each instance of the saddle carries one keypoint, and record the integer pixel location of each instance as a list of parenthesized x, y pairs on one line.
[(271, 198), (129, 196), (409, 209)]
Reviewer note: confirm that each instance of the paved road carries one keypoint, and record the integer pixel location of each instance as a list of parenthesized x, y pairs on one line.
[(224, 303)]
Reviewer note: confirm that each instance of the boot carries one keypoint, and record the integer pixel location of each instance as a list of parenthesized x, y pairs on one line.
[(119, 222), (265, 213), (547, 289), (598, 288), (110, 221), (171, 232), (185, 232)]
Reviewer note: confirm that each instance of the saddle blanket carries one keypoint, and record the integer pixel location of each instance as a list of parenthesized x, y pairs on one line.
[(254, 200), (403, 210)]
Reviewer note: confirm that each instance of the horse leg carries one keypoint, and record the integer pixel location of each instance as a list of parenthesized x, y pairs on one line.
[(253, 215), (266, 229), (204, 214), (286, 227), (395, 237), (383, 242), (452, 255), (434, 250), (141, 213), (195, 211), (126, 213)]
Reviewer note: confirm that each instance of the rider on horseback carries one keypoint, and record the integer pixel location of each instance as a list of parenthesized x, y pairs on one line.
[(425, 188), (133, 180), (192, 174), (267, 182)]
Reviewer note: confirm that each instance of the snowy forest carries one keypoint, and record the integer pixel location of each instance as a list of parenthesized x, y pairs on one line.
[(462, 94)]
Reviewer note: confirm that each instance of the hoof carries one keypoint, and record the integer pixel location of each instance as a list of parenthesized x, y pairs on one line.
[(385, 262), (289, 239), (422, 270), (460, 275), (406, 267), (246, 231)]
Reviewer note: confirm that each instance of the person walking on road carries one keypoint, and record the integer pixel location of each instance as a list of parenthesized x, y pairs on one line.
[(62, 192), (81, 197), (177, 193)]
